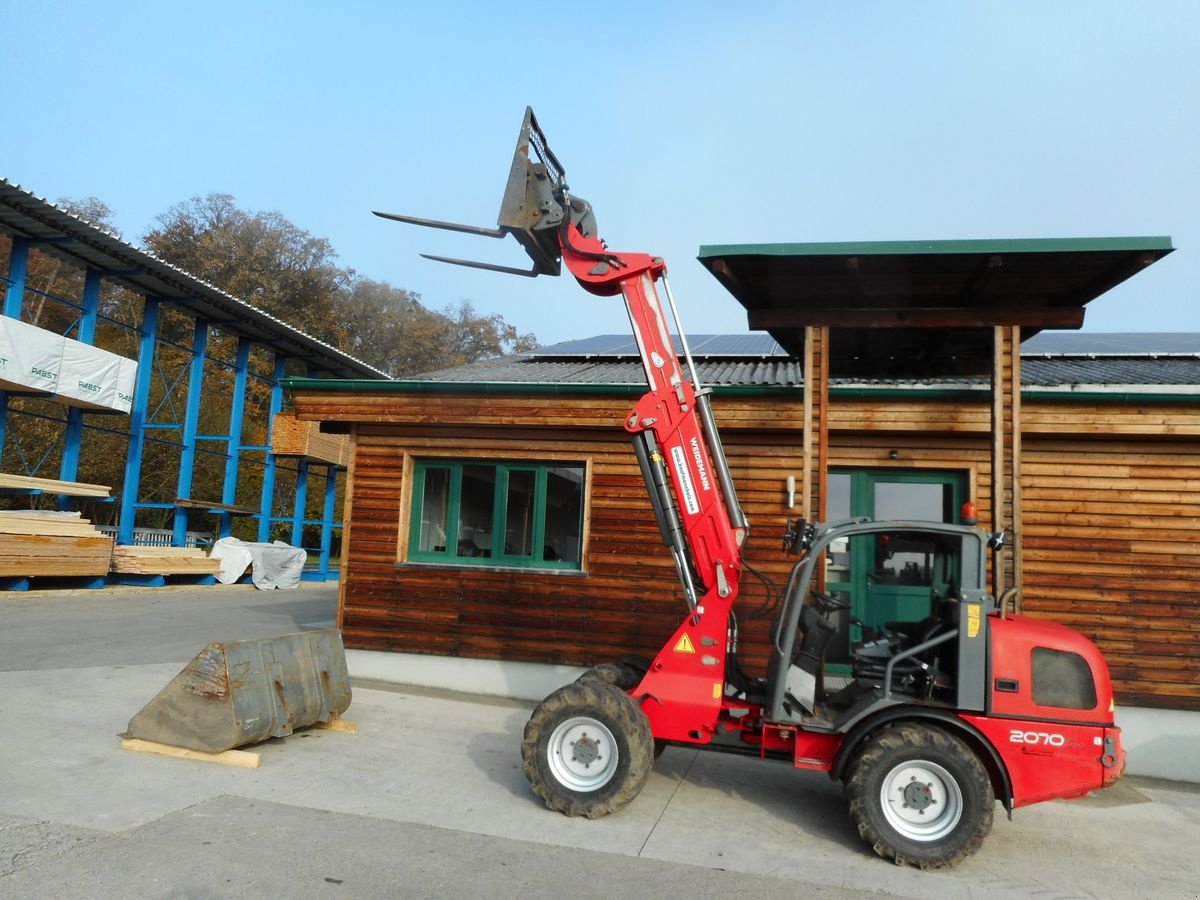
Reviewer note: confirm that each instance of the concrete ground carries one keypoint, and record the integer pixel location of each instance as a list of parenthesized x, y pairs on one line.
[(428, 799)]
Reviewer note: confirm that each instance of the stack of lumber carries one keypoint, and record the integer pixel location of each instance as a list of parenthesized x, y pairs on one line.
[(292, 437), (128, 559), (51, 486), (36, 542)]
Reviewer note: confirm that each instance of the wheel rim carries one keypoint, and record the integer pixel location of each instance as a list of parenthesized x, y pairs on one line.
[(921, 800), (583, 754)]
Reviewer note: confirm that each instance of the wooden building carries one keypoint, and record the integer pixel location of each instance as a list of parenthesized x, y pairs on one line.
[(496, 511), (1110, 483)]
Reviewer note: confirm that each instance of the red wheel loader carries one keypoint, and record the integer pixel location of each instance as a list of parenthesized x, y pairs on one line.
[(940, 715)]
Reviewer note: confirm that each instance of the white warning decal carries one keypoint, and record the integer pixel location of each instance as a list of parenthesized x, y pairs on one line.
[(700, 468), (685, 480)]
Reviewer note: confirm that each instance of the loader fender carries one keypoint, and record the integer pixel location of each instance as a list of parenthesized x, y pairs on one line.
[(975, 739)]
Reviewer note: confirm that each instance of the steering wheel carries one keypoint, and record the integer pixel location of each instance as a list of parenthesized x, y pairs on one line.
[(828, 603)]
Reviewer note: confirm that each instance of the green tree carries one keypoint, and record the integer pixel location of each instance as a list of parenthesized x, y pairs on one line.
[(392, 330), (272, 264), (469, 336), (90, 209), (260, 258), (389, 328)]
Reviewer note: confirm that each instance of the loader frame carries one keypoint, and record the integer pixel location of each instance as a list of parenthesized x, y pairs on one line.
[(923, 760)]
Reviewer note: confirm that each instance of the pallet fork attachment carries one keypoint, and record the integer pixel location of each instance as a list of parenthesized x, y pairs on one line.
[(535, 206)]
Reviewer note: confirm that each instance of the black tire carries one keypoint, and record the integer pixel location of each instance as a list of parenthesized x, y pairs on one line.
[(941, 802), (588, 749), (622, 675)]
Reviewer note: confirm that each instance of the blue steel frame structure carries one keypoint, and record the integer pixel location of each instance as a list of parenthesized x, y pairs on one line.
[(32, 223)]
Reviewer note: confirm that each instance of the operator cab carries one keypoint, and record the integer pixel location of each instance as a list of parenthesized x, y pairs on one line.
[(893, 581), (903, 601)]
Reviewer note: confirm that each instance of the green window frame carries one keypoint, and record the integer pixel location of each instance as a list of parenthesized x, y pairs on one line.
[(514, 514)]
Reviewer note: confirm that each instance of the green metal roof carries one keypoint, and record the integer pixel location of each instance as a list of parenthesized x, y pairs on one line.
[(914, 248), (922, 307)]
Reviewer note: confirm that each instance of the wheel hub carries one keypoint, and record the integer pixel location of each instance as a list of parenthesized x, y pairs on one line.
[(921, 800), (582, 754), (918, 796), (586, 750)]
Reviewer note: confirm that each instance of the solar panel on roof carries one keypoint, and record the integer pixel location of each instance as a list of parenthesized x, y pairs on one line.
[(1112, 344), (754, 344), (597, 345), (725, 345)]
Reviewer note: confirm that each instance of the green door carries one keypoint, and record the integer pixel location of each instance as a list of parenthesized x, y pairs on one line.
[(895, 576)]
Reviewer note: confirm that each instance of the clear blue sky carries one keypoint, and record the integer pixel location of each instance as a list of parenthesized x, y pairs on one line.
[(683, 124)]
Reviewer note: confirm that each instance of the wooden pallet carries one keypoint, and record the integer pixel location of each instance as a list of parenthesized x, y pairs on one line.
[(51, 486), (53, 544), (211, 506), (246, 759), (292, 437), (129, 559)]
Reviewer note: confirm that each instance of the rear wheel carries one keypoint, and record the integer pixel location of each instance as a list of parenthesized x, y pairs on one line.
[(622, 675), (920, 796), (588, 749)]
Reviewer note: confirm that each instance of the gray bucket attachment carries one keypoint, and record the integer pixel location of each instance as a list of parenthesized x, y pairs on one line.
[(242, 692)]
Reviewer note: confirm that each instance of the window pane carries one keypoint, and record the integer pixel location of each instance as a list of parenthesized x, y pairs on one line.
[(1062, 679), (837, 561), (913, 558), (837, 500), (435, 506), (522, 514), (477, 507), (519, 513), (915, 502), (564, 514)]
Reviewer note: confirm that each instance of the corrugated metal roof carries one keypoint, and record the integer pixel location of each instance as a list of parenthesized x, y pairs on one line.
[(64, 234), (531, 369), (611, 359), (1047, 371)]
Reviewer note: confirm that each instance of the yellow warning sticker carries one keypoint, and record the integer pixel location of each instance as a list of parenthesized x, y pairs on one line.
[(718, 690), (973, 620), (684, 645)]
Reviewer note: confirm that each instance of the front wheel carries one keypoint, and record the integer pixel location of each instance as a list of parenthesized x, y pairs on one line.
[(920, 796), (622, 675), (588, 749)]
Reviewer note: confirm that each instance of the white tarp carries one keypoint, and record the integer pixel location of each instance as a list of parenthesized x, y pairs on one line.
[(30, 357), (126, 379), (88, 376), (276, 565), (78, 374)]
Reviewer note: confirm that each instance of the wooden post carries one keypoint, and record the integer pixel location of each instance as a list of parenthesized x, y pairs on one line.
[(816, 422), (1006, 457)]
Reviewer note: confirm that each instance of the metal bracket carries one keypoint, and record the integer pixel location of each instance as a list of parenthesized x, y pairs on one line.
[(722, 582), (1110, 757)]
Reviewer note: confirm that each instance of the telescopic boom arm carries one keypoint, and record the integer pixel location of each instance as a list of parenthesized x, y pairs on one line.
[(674, 434)]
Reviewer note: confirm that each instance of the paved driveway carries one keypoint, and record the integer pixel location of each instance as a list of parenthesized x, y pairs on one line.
[(428, 798)]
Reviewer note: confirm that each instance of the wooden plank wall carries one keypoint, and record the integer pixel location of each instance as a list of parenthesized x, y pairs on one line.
[(1112, 547), (1006, 460), (1111, 523), (628, 602), (816, 425)]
